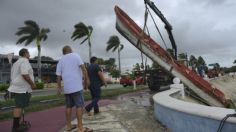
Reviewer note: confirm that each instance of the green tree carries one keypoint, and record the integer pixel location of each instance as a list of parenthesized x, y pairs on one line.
[(171, 52), (83, 31), (155, 65), (201, 61), (217, 65), (114, 44), (192, 60), (100, 61), (110, 64), (182, 56), (30, 32), (110, 61), (115, 73), (47, 58), (136, 67)]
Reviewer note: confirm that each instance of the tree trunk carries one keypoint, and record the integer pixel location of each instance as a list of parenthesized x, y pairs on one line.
[(119, 61), (90, 49), (39, 61)]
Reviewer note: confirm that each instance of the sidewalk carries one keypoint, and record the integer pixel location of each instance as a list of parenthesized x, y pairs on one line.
[(51, 120), (129, 113)]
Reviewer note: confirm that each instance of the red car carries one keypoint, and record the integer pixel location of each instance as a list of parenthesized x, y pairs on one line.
[(125, 80)]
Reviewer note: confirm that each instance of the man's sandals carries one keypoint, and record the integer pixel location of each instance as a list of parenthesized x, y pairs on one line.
[(73, 126), (86, 129), (88, 113)]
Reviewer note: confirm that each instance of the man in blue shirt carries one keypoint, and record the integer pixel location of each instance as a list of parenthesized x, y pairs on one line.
[(96, 81)]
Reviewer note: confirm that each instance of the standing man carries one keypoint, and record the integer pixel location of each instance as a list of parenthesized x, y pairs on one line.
[(97, 80), (72, 71), (22, 83)]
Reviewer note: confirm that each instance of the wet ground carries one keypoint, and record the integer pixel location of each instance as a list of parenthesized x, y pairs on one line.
[(130, 113), (227, 84)]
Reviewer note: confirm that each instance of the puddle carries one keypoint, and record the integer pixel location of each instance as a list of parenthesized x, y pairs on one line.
[(142, 98)]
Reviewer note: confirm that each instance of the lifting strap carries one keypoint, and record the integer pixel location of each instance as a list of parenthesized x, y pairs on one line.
[(144, 27), (169, 55), (157, 28)]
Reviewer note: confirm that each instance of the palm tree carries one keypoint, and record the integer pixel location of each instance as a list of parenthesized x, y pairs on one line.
[(192, 60), (201, 61), (81, 31), (171, 52), (182, 56), (29, 33), (114, 44)]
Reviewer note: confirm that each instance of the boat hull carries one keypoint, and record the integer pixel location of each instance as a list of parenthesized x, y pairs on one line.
[(134, 34)]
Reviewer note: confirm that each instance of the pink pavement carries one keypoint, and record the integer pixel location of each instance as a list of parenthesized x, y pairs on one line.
[(50, 120)]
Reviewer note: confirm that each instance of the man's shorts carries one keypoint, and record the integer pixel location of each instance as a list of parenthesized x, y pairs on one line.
[(21, 99), (74, 99)]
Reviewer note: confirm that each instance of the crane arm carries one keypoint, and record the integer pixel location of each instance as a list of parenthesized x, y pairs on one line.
[(168, 27)]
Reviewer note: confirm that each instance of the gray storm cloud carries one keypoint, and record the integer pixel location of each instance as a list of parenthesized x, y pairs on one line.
[(203, 27)]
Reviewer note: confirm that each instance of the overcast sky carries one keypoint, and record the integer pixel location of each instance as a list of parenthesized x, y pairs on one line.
[(204, 28)]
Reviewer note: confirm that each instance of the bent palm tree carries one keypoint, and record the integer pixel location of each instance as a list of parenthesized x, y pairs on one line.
[(81, 30), (29, 33), (114, 44), (192, 61)]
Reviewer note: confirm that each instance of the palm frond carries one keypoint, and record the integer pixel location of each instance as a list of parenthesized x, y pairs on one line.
[(78, 34), (29, 40), (22, 39), (90, 29), (80, 24), (43, 34), (121, 47), (112, 47), (24, 30), (45, 37), (77, 37), (113, 43), (26, 39), (84, 40), (33, 24)]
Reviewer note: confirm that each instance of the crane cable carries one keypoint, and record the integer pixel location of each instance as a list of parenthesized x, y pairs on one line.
[(169, 55), (144, 27), (157, 28)]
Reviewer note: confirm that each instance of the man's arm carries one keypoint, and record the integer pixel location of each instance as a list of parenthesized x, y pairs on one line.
[(100, 74), (29, 81), (85, 75), (59, 84)]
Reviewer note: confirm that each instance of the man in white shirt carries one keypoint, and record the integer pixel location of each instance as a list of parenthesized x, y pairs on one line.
[(22, 83), (72, 71)]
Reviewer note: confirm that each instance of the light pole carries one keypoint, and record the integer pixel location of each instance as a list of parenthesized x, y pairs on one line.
[(10, 56)]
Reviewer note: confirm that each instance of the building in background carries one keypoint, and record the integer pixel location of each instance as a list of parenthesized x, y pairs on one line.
[(48, 69)]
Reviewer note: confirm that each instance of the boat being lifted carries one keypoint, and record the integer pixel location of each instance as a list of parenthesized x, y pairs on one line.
[(136, 36)]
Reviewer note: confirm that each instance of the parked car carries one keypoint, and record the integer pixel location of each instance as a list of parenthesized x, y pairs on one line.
[(125, 80)]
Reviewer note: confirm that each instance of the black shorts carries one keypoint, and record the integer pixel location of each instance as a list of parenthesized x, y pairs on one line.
[(21, 99)]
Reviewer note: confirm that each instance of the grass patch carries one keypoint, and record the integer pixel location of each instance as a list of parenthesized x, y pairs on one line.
[(34, 106)]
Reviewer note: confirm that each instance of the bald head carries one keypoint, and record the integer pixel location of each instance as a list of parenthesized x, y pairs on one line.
[(66, 49)]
